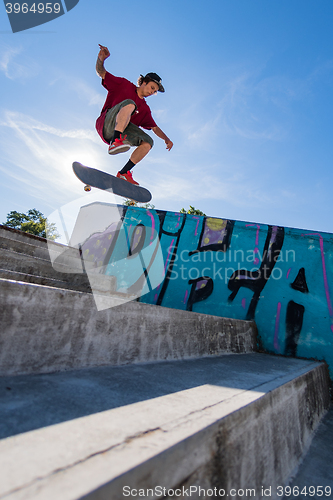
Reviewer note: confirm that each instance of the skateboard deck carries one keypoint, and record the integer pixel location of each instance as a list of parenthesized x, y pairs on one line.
[(102, 180)]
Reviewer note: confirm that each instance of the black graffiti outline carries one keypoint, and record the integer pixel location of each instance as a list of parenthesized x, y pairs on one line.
[(195, 295), (256, 280), (176, 234), (215, 247), (299, 284), (294, 324)]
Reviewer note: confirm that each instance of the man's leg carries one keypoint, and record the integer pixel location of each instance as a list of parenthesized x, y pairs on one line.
[(136, 137), (123, 118), (116, 121), (138, 154)]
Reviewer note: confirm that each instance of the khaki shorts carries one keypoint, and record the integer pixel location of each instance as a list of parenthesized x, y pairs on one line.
[(135, 135)]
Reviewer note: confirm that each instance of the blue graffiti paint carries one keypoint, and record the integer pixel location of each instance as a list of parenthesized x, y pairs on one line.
[(280, 277)]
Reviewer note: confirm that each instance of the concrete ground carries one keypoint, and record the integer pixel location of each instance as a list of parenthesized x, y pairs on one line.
[(314, 476)]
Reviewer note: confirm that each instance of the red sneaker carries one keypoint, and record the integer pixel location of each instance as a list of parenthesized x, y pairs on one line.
[(119, 146), (127, 177)]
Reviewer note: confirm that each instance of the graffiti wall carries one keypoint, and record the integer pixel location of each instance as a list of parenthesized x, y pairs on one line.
[(280, 277)]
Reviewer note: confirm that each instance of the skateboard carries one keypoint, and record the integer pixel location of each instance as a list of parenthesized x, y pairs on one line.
[(101, 180)]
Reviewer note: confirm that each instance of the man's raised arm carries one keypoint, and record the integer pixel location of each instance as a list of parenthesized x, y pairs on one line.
[(102, 55)]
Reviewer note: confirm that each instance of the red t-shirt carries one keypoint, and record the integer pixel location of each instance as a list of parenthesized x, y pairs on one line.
[(120, 89)]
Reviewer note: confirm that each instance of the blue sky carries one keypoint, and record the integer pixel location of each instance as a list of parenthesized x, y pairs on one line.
[(248, 105)]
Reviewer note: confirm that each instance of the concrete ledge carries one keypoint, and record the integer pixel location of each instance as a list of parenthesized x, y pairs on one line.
[(27, 245), (46, 329), (74, 282), (16, 234), (243, 423)]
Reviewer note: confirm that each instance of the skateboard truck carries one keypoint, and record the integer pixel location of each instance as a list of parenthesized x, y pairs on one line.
[(87, 187)]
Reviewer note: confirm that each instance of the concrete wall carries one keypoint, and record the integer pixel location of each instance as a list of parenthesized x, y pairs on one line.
[(280, 277)]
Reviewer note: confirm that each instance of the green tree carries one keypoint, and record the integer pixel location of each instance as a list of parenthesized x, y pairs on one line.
[(33, 222), (192, 211), (131, 203)]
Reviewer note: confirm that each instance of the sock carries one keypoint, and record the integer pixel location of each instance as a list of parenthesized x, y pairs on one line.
[(129, 165), (116, 135)]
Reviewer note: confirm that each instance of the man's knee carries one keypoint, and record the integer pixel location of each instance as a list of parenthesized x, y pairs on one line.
[(127, 109), (148, 144)]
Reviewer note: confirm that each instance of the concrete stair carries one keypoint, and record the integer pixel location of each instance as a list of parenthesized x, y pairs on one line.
[(25, 257), (138, 396), (45, 329), (238, 423)]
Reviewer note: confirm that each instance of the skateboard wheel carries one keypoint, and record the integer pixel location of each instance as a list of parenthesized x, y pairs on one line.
[(87, 188)]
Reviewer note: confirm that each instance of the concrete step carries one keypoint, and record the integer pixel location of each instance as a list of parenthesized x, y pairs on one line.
[(21, 242), (34, 246), (17, 235), (26, 257), (46, 329), (26, 265), (29, 244), (237, 423), (73, 282)]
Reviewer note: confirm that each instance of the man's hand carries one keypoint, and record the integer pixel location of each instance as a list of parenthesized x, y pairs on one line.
[(103, 53), (162, 135)]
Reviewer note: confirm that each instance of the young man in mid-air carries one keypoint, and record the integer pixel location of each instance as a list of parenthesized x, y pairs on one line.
[(124, 112)]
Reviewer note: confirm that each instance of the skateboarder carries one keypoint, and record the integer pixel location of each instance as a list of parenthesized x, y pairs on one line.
[(124, 112)]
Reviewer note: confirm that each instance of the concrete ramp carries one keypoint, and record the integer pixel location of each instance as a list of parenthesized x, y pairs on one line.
[(233, 424)]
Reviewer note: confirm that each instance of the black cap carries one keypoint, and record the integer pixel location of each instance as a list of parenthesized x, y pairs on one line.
[(155, 78)]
